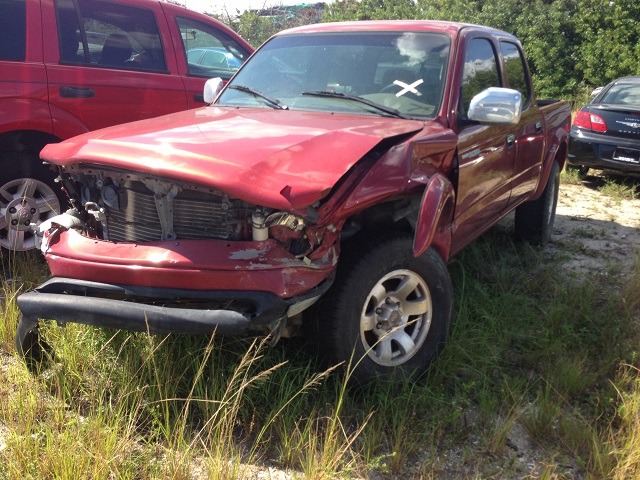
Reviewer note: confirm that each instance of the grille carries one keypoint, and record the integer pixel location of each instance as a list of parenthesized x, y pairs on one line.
[(196, 215)]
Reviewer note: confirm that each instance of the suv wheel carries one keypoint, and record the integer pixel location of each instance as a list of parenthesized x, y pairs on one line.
[(28, 196)]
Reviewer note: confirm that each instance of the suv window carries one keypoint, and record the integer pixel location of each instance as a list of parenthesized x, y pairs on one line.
[(109, 35), (515, 70), (480, 72), (209, 53), (13, 29)]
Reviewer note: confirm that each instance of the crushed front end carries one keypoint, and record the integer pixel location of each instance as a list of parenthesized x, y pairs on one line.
[(143, 253)]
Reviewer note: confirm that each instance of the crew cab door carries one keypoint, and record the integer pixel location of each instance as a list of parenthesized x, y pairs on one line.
[(486, 153), (109, 63), (529, 133)]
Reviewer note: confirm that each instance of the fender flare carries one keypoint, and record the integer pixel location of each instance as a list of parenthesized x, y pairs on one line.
[(556, 153), (435, 217)]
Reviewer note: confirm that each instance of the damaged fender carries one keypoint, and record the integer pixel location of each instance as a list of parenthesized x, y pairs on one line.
[(433, 227)]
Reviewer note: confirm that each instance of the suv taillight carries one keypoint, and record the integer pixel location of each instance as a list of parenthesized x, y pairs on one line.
[(590, 121)]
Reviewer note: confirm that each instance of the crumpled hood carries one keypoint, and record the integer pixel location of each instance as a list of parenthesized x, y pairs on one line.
[(274, 158)]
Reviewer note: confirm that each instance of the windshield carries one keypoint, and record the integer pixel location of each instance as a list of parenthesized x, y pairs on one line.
[(374, 73)]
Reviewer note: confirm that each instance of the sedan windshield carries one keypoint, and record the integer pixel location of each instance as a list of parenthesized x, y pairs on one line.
[(399, 74)]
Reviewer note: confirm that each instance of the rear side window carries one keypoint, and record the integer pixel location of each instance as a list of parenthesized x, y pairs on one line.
[(13, 29), (515, 70), (209, 52), (109, 35), (480, 72)]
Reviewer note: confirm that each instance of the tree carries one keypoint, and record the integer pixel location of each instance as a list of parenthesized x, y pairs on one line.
[(610, 46), (370, 10)]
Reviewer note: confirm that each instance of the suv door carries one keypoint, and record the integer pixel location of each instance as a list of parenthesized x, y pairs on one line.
[(112, 63), (206, 52)]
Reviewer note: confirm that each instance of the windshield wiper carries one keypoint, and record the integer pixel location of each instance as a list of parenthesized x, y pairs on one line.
[(377, 106), (274, 102)]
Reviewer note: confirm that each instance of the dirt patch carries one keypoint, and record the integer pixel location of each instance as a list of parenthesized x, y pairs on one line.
[(595, 233)]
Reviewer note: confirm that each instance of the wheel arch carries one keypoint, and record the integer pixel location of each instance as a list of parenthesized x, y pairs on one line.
[(27, 141), (558, 154), (427, 218)]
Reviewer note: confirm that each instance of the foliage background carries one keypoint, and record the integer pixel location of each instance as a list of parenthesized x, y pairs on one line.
[(572, 45)]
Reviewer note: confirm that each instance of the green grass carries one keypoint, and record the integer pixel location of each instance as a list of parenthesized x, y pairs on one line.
[(570, 176), (529, 349), (620, 188)]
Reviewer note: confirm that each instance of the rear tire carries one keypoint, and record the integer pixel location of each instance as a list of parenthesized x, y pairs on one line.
[(534, 219), (388, 312)]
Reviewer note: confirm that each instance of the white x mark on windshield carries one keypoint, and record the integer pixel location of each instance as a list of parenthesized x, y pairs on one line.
[(408, 88)]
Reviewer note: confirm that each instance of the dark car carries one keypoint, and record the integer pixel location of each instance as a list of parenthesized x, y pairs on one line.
[(606, 132)]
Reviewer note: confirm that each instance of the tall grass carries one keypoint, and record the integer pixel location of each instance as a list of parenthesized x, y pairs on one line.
[(531, 353)]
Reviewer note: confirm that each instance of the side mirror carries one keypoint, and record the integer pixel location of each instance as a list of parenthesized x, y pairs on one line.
[(212, 88), (496, 105)]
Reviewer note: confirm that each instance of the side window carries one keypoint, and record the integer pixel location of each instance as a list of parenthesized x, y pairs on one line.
[(516, 70), (13, 29), (480, 72), (109, 35), (209, 52)]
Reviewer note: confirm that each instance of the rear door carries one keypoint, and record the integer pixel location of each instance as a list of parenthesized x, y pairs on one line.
[(110, 63), (529, 133), (205, 48)]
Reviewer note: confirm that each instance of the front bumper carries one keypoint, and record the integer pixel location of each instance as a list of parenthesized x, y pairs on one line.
[(203, 265), (595, 150), (161, 310)]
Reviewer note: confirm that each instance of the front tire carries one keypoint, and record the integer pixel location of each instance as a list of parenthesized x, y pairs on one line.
[(534, 219), (29, 345), (388, 312)]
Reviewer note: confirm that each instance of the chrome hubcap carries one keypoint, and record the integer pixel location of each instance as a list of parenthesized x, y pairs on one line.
[(23, 202), (396, 318)]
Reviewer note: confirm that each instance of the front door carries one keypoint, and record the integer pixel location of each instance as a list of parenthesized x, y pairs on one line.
[(486, 153)]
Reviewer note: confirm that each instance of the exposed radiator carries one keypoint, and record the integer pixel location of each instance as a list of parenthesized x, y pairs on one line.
[(196, 215)]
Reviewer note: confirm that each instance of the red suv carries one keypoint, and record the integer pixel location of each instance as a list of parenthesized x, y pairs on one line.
[(71, 66)]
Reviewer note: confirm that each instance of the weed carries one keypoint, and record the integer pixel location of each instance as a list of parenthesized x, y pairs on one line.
[(570, 177), (619, 189)]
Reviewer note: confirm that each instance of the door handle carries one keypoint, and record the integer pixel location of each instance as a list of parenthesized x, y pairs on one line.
[(538, 126), (77, 92), (511, 139)]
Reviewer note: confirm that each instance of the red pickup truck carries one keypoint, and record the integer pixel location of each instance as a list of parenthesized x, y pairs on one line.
[(71, 66), (334, 176)]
